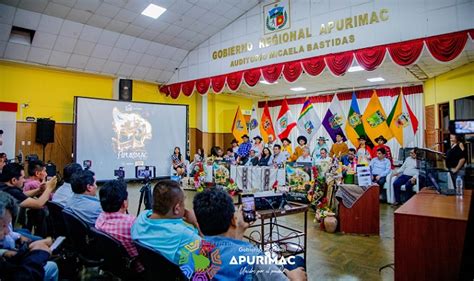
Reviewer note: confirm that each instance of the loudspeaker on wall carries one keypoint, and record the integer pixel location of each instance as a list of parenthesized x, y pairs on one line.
[(125, 89)]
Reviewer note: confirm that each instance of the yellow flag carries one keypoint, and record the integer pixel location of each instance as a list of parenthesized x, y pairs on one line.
[(375, 120), (239, 127)]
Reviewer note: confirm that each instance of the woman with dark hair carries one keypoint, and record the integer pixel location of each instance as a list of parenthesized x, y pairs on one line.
[(178, 162), (364, 153), (456, 156), (199, 156), (266, 153)]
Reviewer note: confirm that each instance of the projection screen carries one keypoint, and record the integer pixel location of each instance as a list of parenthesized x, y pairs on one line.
[(115, 134)]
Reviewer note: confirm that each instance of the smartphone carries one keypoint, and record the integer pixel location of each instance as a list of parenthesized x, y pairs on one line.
[(57, 243), (248, 207)]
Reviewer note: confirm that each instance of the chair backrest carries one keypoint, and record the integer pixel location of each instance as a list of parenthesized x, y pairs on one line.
[(157, 265), (79, 234), (56, 218), (116, 257)]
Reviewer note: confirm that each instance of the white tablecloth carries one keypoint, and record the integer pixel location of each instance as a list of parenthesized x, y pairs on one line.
[(249, 178)]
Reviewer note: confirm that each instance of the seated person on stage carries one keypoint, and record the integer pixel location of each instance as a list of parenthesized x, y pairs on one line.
[(216, 155), (381, 143), (266, 154), (350, 159), (305, 157), (169, 227), (286, 147), (84, 202), (271, 142), (278, 158), (302, 141), (235, 146), (224, 228), (257, 145), (317, 148), (30, 263), (64, 192), (199, 156), (364, 153), (323, 157), (380, 167), (244, 150), (178, 162), (339, 148), (229, 157), (114, 219), (12, 180), (406, 175), (252, 159)]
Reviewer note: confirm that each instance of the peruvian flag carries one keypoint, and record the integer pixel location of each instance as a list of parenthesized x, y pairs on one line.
[(285, 121)]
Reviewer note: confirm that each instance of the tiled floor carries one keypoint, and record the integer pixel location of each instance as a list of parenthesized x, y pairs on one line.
[(332, 256)]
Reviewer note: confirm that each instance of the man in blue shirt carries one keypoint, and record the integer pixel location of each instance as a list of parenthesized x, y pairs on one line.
[(222, 245), (84, 203), (244, 150), (380, 167), (169, 228), (64, 193)]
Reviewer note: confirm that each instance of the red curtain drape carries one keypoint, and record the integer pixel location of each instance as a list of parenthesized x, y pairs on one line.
[(252, 76), (370, 58), (234, 79), (406, 53), (218, 83), (339, 63), (165, 90), (292, 70), (202, 85), (175, 89), (448, 47), (272, 72), (188, 88), (314, 66)]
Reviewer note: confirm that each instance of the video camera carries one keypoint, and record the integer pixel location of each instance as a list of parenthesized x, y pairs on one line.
[(145, 172), (120, 173), (87, 164)]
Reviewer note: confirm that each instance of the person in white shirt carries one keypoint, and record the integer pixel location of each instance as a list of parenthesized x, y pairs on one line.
[(64, 192), (278, 158), (305, 158), (406, 175), (323, 161)]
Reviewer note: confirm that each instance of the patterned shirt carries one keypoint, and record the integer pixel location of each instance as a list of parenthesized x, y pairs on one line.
[(244, 149), (118, 225)]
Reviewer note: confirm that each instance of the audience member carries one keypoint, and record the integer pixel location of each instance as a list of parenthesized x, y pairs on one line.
[(30, 263), (3, 160), (178, 162), (266, 154), (317, 148), (380, 167), (406, 175), (84, 202), (64, 193), (364, 153), (114, 219), (381, 143), (305, 157), (339, 148), (224, 228), (278, 158), (36, 175), (244, 150), (169, 226), (302, 141), (257, 145)]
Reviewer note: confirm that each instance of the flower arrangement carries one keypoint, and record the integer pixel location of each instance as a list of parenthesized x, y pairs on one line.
[(322, 211), (199, 177), (232, 188)]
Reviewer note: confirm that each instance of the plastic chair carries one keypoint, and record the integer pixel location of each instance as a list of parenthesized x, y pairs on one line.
[(116, 258), (83, 242), (157, 265)]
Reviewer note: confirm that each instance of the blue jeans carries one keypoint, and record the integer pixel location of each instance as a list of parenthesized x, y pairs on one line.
[(299, 262), (51, 271), (27, 234), (397, 185)]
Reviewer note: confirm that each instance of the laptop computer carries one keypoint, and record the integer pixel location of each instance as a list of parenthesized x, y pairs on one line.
[(444, 191)]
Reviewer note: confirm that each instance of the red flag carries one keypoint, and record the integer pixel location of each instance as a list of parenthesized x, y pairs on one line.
[(285, 121)]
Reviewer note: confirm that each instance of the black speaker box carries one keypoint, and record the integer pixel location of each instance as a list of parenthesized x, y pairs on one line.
[(125, 89), (45, 130)]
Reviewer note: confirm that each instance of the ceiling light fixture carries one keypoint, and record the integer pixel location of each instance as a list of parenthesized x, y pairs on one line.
[(153, 11), (376, 79), (267, 83), (355, 68), (298, 89)]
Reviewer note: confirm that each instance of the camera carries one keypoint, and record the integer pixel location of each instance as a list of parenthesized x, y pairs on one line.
[(145, 172), (120, 173), (87, 164)]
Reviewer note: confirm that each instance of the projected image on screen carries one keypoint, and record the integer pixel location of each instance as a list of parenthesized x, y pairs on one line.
[(115, 134)]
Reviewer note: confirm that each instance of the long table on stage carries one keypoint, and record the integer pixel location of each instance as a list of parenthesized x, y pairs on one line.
[(429, 236), (266, 217)]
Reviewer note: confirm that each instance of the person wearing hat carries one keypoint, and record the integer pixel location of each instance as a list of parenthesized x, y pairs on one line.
[(381, 143), (302, 141), (364, 153), (244, 150), (286, 147), (235, 145), (271, 142), (257, 145), (317, 148), (339, 148)]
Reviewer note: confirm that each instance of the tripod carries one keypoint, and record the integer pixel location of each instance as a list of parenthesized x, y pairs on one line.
[(145, 196)]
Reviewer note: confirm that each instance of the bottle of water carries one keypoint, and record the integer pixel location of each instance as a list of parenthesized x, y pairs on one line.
[(459, 187)]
